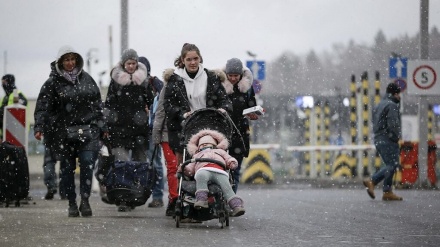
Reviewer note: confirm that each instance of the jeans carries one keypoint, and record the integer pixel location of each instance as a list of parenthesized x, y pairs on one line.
[(50, 177), (157, 193), (389, 152), (87, 161), (236, 173)]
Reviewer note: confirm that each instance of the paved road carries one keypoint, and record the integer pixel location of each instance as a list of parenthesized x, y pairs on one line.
[(287, 214)]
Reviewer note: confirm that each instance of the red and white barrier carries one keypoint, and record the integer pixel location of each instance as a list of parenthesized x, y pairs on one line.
[(14, 125)]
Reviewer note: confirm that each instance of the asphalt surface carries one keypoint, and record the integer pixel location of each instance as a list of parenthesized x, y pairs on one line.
[(290, 212)]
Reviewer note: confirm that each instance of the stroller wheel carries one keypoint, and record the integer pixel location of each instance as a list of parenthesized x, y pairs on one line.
[(177, 221)]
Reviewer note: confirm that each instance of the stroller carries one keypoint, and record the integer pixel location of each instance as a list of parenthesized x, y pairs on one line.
[(202, 119)]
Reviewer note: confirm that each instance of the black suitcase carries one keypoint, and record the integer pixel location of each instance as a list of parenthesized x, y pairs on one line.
[(14, 174)]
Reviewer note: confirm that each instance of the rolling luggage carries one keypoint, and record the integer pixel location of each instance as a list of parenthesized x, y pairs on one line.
[(130, 183), (14, 174)]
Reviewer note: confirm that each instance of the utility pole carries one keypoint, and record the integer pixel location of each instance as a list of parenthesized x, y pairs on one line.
[(423, 102), (110, 39), (124, 25), (5, 63)]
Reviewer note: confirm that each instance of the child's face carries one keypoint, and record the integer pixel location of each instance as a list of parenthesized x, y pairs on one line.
[(206, 145)]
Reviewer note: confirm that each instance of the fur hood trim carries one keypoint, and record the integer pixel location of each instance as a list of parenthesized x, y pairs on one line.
[(167, 73), (120, 76), (243, 85), (222, 141)]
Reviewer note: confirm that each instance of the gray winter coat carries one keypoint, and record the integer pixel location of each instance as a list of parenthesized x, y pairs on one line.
[(386, 120)]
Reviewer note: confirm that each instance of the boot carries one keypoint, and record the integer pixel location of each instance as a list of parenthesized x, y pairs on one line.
[(390, 196), (236, 204), (84, 208), (50, 193), (156, 203), (370, 187), (171, 208), (201, 199), (73, 209)]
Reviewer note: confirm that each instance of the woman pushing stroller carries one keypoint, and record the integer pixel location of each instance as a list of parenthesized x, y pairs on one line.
[(211, 144)]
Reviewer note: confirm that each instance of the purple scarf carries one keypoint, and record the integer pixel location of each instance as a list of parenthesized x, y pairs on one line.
[(72, 75)]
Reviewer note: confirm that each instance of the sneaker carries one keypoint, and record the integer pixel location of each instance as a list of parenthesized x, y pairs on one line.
[(370, 187), (49, 195), (390, 196), (85, 209), (171, 208), (73, 210), (156, 203)]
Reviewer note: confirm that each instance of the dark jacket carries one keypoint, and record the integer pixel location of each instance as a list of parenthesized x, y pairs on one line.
[(128, 97), (242, 96), (8, 99), (386, 120), (62, 103), (176, 102)]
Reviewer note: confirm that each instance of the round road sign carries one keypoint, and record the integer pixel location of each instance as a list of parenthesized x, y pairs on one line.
[(424, 77), (401, 83)]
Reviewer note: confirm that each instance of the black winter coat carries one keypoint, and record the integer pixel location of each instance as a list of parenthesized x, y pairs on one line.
[(125, 108), (176, 103), (242, 96), (61, 104)]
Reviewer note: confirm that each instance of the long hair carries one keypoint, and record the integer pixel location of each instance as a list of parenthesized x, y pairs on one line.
[(187, 47)]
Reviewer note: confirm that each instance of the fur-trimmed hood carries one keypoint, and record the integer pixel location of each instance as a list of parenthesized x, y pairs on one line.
[(120, 76), (222, 141), (243, 85)]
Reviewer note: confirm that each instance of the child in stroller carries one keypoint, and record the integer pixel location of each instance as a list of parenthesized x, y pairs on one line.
[(210, 163)]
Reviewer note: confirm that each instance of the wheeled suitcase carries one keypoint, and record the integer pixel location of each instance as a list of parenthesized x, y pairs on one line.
[(129, 183), (14, 174)]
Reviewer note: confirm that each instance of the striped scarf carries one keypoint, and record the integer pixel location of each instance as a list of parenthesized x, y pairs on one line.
[(71, 75)]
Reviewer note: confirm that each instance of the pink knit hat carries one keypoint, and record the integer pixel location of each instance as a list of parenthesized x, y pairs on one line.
[(207, 140)]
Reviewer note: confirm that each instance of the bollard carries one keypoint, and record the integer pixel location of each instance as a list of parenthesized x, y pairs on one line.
[(14, 125)]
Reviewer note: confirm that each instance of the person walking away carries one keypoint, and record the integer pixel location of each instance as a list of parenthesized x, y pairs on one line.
[(71, 101), (190, 87), (238, 86), (8, 84), (50, 177), (127, 104), (387, 132), (157, 193)]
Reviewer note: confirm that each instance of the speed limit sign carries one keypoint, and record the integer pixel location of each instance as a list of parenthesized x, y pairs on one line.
[(423, 77)]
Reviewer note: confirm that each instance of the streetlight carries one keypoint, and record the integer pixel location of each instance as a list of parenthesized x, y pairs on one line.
[(90, 57), (254, 64)]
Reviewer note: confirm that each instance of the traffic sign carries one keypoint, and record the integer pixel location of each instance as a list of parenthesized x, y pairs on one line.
[(401, 83), (398, 67), (256, 84), (258, 69), (423, 77)]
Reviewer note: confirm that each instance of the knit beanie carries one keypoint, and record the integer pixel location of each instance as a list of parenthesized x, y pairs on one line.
[(234, 66), (129, 54), (392, 88), (9, 86), (207, 140)]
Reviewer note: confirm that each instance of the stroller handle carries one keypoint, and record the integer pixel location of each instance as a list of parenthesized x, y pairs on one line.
[(223, 165)]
